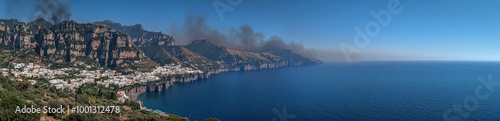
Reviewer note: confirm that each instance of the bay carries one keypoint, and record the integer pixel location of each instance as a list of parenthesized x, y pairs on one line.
[(376, 90)]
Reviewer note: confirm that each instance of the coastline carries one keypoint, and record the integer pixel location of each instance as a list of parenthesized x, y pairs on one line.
[(165, 83)]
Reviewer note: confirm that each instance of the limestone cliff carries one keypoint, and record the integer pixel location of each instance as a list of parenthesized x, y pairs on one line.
[(70, 41)]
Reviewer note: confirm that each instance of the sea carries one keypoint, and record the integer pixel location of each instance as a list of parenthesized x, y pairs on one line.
[(371, 90)]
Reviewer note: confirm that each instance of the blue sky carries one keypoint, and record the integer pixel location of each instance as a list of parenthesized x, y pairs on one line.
[(424, 30)]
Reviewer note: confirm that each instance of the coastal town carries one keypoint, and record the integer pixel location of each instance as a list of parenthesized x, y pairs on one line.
[(71, 77)]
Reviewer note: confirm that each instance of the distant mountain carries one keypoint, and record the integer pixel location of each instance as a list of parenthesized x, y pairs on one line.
[(293, 58), (40, 22), (249, 60), (180, 55), (139, 35)]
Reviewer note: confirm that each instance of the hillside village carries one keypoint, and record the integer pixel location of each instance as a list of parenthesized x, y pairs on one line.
[(71, 77)]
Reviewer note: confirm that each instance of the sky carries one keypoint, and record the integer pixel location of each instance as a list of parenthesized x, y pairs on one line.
[(422, 30)]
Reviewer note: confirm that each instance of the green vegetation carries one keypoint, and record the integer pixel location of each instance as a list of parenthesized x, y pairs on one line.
[(20, 93), (212, 119)]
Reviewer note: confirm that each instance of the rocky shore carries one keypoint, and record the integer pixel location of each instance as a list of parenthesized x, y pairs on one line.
[(166, 82)]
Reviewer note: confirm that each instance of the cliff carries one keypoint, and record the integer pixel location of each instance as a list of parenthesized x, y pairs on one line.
[(161, 47), (69, 41)]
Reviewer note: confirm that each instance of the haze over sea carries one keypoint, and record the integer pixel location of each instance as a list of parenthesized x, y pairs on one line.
[(375, 90)]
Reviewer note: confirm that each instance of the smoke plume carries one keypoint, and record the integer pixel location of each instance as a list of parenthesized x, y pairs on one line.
[(242, 38), (53, 11)]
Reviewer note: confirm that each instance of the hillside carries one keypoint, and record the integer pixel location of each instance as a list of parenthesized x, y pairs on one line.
[(248, 60)]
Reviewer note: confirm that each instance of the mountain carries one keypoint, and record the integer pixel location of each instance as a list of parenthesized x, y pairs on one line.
[(40, 22), (205, 55), (248, 60), (293, 58), (114, 45), (161, 47), (70, 41), (139, 35)]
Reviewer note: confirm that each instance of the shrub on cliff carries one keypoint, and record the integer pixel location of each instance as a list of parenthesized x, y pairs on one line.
[(211, 119)]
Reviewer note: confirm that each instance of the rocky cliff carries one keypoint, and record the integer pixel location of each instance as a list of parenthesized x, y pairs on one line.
[(161, 47), (15, 35), (70, 41)]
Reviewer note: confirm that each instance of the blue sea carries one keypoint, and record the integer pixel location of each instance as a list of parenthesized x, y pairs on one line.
[(376, 90)]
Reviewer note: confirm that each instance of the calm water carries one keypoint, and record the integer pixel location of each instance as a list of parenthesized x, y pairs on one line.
[(357, 91)]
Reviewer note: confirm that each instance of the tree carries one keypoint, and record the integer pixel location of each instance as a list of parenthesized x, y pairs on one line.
[(54, 104), (24, 86), (82, 98), (134, 105)]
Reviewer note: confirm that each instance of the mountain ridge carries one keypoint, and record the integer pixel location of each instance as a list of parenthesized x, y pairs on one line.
[(201, 50), (113, 45), (69, 41)]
